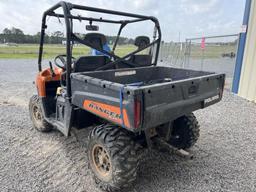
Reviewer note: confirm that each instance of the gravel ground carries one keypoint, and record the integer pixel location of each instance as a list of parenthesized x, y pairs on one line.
[(224, 157)]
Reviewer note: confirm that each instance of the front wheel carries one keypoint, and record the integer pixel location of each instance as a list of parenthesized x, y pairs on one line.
[(37, 116), (113, 157), (185, 132)]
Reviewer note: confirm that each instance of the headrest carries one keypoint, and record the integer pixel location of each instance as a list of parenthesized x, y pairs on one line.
[(141, 41), (96, 39)]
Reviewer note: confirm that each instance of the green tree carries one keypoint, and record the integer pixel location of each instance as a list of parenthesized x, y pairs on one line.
[(16, 31), (57, 37), (7, 31)]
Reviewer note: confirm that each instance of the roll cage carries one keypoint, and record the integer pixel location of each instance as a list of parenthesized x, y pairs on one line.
[(71, 37)]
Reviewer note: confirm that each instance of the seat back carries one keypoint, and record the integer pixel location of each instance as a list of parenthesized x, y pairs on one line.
[(96, 39), (141, 60), (89, 63), (141, 41)]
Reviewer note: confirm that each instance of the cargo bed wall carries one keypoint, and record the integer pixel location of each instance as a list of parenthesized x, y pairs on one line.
[(145, 74)]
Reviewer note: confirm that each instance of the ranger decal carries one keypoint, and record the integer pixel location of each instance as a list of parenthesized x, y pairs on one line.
[(107, 111)]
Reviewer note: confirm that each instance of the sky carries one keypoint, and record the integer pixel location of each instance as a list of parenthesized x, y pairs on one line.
[(189, 18)]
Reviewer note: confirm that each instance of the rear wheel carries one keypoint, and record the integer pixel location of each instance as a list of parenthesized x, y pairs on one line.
[(37, 116), (113, 157), (185, 132)]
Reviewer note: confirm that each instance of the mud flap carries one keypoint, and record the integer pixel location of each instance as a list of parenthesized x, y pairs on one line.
[(68, 119), (64, 115)]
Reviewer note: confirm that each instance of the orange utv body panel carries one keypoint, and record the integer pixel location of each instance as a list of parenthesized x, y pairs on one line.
[(46, 76)]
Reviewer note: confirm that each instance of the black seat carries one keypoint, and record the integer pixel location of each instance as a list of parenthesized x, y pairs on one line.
[(141, 41), (141, 60), (145, 59), (96, 39), (90, 63)]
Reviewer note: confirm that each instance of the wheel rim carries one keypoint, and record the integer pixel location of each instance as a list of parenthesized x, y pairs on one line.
[(101, 161), (37, 116)]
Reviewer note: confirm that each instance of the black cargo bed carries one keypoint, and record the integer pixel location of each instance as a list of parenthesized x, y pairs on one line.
[(146, 75), (164, 93)]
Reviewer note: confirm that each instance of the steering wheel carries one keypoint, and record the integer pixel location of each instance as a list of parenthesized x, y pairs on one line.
[(63, 61)]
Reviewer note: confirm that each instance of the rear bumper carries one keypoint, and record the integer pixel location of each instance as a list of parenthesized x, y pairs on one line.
[(167, 103)]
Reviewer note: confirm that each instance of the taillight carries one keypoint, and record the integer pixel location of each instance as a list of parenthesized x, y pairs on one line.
[(137, 113)]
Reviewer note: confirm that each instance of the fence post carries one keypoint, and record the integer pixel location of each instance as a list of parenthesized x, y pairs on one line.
[(240, 50)]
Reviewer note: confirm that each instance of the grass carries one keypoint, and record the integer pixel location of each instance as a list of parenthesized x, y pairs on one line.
[(211, 51), (28, 51)]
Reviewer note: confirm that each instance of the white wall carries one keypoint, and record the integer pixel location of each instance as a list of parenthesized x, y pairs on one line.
[(247, 86)]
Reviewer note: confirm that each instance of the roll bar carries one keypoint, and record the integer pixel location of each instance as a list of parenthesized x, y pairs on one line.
[(68, 17)]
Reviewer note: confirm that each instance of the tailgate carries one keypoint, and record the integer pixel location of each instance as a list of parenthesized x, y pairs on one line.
[(168, 101)]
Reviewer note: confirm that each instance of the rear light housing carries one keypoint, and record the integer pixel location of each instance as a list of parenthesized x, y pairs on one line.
[(137, 113)]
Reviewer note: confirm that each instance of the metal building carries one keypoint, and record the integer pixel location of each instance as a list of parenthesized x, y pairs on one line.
[(244, 83)]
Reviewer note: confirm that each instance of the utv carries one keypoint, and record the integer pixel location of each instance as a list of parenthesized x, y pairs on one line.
[(131, 102)]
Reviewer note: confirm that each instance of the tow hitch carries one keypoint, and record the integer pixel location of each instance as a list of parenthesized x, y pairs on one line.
[(161, 144)]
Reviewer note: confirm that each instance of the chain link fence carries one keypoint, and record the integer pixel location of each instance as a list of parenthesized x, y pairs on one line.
[(213, 53), (172, 54)]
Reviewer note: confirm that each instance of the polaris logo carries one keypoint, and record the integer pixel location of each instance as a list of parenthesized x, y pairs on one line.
[(211, 99)]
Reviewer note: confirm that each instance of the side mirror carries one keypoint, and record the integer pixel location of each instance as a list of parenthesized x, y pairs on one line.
[(92, 27)]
